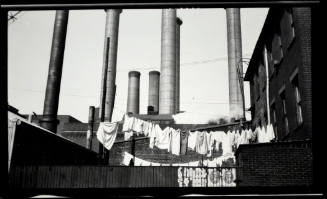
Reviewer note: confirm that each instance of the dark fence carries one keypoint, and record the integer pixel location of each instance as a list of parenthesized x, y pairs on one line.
[(26, 177), (32, 145)]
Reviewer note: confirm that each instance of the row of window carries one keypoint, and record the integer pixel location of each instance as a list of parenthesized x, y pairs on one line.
[(282, 96), (284, 34)]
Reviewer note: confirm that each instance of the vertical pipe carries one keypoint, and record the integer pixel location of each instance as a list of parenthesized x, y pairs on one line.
[(133, 96), (168, 62), (234, 45), (154, 81), (265, 58), (179, 22), (109, 63), (104, 80), (51, 100), (89, 135)]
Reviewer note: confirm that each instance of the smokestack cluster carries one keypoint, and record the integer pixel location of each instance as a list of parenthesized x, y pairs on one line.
[(108, 86), (51, 100), (133, 97), (234, 44), (153, 99), (167, 90)]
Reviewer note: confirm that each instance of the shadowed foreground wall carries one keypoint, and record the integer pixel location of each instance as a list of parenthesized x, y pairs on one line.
[(275, 164)]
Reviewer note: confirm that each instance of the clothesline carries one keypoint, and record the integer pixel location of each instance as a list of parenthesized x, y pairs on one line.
[(178, 142)]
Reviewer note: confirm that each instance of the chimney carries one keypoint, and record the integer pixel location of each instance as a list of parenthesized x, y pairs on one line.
[(51, 100), (179, 22), (109, 64), (133, 97), (168, 62), (153, 100), (234, 45)]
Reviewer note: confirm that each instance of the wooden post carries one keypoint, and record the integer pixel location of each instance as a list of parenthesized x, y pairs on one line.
[(89, 135)]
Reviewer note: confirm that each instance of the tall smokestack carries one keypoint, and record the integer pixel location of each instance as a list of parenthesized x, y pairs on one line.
[(51, 100), (179, 22), (234, 45), (133, 97), (167, 87), (109, 64), (154, 81)]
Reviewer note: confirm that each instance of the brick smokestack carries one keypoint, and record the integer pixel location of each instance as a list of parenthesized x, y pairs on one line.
[(167, 88), (154, 82), (179, 22), (133, 97), (234, 45), (51, 100), (109, 64)]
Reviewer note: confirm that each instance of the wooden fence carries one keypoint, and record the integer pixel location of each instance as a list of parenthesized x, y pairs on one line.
[(117, 177)]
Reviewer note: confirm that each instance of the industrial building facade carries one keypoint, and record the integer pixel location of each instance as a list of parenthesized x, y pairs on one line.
[(286, 39)]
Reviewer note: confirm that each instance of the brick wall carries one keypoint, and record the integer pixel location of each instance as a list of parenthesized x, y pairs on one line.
[(275, 164)]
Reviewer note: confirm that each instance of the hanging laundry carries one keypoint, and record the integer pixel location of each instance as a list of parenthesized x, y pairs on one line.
[(107, 133), (137, 125), (261, 133), (126, 158), (192, 139), (201, 143), (217, 136), (184, 139), (145, 128), (162, 137), (153, 129), (128, 135), (128, 123), (174, 142), (227, 143), (270, 133), (237, 138), (209, 144)]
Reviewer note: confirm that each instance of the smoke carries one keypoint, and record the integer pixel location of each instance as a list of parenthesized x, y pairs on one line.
[(198, 118)]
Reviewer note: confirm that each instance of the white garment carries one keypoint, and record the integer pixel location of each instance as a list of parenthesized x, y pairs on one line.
[(162, 137), (192, 140), (151, 130), (218, 137), (270, 133), (249, 134), (137, 125), (128, 135), (237, 138), (244, 140), (261, 134), (128, 123), (127, 158), (175, 142), (145, 128), (152, 134), (107, 133), (227, 143)]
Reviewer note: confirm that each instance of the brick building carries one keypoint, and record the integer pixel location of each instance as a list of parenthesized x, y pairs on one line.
[(286, 39), (281, 64)]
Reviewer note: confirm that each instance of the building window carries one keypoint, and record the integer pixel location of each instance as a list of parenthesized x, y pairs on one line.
[(277, 50), (285, 119), (295, 84), (287, 28), (273, 118)]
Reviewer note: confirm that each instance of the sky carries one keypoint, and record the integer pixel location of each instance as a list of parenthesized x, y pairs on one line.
[(203, 58)]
